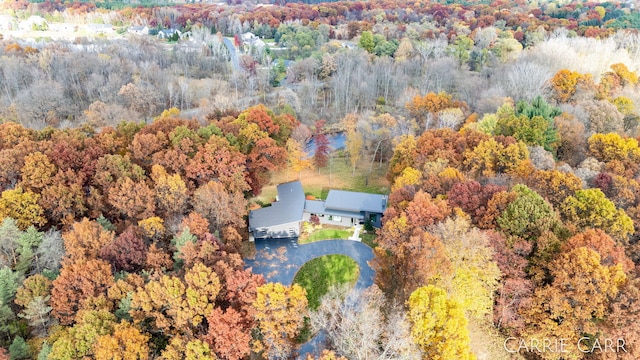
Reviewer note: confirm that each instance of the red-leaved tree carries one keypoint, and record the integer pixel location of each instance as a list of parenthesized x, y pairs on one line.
[(321, 156)]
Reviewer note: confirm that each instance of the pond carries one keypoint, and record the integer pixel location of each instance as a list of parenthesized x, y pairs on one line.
[(336, 142)]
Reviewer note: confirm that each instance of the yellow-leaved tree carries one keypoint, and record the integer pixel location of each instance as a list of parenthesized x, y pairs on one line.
[(353, 146), (22, 206), (439, 326), (475, 276), (590, 208), (175, 305), (296, 158), (280, 311), (170, 191), (409, 176), (126, 342)]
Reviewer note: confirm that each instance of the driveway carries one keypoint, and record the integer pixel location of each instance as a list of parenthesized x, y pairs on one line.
[(278, 260)]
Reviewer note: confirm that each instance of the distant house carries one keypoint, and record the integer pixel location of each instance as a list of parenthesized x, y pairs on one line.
[(250, 40), (138, 30), (343, 208), (248, 37), (168, 33)]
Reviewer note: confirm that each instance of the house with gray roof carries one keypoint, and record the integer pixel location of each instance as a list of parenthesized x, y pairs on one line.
[(343, 208), (348, 208), (168, 33), (283, 218)]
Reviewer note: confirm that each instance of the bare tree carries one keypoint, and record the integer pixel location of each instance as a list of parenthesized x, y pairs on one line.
[(49, 252), (42, 104), (526, 80), (357, 329)]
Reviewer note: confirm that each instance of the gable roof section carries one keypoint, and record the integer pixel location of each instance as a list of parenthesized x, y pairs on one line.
[(355, 201), (288, 208)]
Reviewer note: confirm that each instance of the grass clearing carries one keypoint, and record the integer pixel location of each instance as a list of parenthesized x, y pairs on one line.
[(319, 274), (325, 234), (337, 176)]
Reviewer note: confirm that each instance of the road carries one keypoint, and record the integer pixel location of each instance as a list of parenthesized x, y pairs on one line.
[(278, 260)]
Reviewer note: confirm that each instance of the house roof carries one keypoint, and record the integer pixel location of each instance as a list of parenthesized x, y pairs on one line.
[(314, 206), (319, 207), (355, 201), (288, 208)]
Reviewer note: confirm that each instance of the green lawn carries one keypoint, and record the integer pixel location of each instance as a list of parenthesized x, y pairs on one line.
[(369, 239), (319, 274), (325, 234)]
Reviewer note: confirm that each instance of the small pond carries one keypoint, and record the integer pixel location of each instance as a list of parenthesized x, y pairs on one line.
[(336, 142)]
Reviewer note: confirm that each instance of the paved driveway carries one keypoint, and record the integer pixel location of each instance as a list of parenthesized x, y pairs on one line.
[(278, 260)]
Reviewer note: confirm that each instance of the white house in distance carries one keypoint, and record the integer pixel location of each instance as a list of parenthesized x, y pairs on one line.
[(138, 30), (343, 208)]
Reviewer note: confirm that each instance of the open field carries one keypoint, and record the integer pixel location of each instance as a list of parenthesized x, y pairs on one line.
[(337, 176)]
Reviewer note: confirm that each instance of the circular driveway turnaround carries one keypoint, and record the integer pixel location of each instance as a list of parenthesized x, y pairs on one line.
[(278, 260)]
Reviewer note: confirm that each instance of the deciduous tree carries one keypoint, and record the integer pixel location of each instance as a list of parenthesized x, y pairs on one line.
[(475, 275), (133, 200), (321, 154), (85, 240), (127, 252), (404, 156), (78, 341), (553, 185), (280, 312), (22, 206), (64, 199), (79, 281), (218, 161), (595, 239), (228, 336), (590, 208), (564, 83), (296, 157), (219, 206), (439, 326), (170, 191), (50, 252), (353, 146), (579, 295), (177, 306), (353, 321), (472, 198), (265, 157), (126, 342), (36, 172)]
